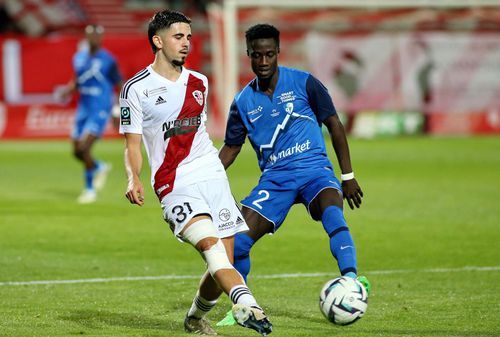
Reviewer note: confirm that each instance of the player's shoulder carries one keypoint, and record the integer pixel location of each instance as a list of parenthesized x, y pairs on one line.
[(136, 82), (294, 72), (104, 53), (197, 74), (247, 90)]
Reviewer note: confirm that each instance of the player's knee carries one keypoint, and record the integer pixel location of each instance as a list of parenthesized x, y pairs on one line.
[(78, 153), (202, 235), (216, 258), (206, 243)]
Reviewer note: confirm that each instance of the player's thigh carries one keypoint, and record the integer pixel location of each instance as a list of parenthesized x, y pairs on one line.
[(97, 122), (81, 117), (320, 190), (181, 205), (257, 224), (272, 198)]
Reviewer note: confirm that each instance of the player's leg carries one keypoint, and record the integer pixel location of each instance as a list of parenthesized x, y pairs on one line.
[(201, 233), (327, 206), (96, 171), (258, 227), (264, 210)]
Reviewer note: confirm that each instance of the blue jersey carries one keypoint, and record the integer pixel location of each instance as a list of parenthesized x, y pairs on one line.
[(96, 75), (285, 129)]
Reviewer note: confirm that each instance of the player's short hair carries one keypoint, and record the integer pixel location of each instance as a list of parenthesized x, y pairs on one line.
[(263, 31), (162, 20), (94, 28)]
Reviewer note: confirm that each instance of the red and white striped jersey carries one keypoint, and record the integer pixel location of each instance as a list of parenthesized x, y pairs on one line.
[(171, 118)]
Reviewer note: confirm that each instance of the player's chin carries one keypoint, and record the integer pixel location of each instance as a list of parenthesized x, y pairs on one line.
[(180, 61), (264, 74)]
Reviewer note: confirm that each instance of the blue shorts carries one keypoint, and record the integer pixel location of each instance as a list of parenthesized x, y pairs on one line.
[(278, 191), (90, 122)]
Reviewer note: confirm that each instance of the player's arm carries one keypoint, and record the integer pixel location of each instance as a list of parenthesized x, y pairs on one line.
[(352, 191), (65, 91), (228, 154), (235, 137), (133, 165), (321, 103)]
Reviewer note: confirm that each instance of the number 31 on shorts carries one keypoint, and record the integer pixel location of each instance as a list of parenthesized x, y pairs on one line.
[(265, 196)]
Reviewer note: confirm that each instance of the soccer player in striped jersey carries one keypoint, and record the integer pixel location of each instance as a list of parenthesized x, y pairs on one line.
[(96, 75), (282, 111), (165, 106)]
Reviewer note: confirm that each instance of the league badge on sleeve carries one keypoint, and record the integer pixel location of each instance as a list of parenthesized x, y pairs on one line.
[(125, 115)]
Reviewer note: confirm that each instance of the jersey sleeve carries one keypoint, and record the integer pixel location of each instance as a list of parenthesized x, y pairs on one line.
[(319, 99), (236, 131), (131, 115)]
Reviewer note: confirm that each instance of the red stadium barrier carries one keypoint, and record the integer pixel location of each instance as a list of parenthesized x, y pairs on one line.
[(33, 67)]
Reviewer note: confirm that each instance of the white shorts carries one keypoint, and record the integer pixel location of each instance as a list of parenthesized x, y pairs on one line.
[(212, 198)]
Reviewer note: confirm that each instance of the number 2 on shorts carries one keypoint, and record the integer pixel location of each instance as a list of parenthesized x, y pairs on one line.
[(264, 198)]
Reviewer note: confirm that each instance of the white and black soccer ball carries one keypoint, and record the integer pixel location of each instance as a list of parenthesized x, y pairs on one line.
[(343, 300)]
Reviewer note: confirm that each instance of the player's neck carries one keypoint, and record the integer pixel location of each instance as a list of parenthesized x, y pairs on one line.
[(93, 50), (166, 69), (267, 85)]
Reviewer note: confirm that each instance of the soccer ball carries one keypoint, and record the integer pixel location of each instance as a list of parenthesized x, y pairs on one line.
[(343, 300)]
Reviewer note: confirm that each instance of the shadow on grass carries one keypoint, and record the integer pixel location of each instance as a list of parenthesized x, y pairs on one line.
[(95, 319)]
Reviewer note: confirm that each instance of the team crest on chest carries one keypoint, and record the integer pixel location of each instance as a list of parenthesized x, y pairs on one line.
[(198, 96)]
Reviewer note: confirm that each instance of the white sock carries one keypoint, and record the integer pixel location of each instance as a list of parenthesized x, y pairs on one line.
[(200, 306), (242, 295)]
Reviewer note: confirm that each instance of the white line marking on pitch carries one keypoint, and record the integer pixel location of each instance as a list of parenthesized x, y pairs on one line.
[(272, 276)]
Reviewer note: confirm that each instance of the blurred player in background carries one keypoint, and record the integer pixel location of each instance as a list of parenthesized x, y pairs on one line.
[(96, 75), (281, 112), (165, 106)]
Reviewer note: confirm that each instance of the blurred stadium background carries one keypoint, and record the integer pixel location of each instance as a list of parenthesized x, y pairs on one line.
[(393, 67)]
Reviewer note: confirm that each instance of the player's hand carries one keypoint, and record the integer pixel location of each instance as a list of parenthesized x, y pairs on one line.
[(135, 193), (352, 193), (62, 94)]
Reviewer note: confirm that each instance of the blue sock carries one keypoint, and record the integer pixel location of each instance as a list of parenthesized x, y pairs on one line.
[(242, 245), (89, 178), (341, 243)]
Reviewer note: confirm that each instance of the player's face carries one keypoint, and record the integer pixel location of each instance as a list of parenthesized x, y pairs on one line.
[(175, 42), (94, 39), (263, 55)]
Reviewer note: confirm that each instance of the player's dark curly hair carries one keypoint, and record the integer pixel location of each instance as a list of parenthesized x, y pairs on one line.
[(164, 19), (263, 31)]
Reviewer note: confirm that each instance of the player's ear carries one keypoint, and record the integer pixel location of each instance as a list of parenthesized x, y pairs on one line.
[(248, 53), (278, 49), (157, 41)]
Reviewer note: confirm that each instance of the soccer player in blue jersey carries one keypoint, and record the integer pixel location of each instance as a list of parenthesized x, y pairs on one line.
[(96, 75), (281, 111)]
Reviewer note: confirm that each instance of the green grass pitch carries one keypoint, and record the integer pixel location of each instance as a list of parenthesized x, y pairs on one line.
[(427, 236)]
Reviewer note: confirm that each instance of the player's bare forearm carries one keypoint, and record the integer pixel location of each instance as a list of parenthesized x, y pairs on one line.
[(351, 190), (133, 165), (228, 154), (339, 142)]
